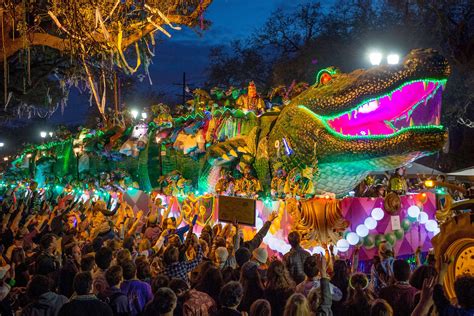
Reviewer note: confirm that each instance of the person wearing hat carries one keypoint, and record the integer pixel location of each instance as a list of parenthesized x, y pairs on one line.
[(260, 257)]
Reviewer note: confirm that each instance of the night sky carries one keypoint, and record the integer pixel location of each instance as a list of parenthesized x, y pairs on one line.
[(186, 51)]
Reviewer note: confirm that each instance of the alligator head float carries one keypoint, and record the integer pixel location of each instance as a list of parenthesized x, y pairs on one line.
[(351, 124)]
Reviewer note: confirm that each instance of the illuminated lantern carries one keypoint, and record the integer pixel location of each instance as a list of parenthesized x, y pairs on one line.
[(342, 245), (431, 225), (377, 213), (413, 211), (362, 231), (352, 238), (423, 218), (370, 223)]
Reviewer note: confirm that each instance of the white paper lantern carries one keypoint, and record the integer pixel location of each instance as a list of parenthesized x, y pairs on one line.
[(413, 211), (352, 238), (431, 225), (362, 230), (423, 218), (377, 213), (342, 245), (319, 250), (370, 223), (436, 232)]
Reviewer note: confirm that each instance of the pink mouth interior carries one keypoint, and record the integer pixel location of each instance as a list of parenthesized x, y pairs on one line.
[(415, 104)]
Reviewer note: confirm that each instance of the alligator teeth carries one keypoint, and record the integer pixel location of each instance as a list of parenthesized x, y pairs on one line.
[(426, 101), (425, 85), (233, 153)]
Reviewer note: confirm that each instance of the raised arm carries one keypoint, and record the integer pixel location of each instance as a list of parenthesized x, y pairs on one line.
[(426, 298)]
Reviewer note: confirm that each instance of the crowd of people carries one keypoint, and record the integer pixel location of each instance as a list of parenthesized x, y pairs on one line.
[(64, 257)]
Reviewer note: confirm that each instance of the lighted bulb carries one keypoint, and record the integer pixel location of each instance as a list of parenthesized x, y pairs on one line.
[(413, 211), (431, 225), (362, 231), (423, 217), (134, 113), (352, 238), (370, 223), (377, 213), (342, 245)]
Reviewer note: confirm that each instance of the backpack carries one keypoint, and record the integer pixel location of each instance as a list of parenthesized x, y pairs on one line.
[(112, 302)]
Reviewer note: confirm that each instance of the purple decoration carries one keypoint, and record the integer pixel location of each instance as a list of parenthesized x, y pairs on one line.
[(416, 104), (356, 210)]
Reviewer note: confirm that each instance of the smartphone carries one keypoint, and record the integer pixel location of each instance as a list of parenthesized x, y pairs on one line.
[(194, 220)]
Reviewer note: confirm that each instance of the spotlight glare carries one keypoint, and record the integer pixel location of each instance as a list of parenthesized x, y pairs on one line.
[(393, 59), (134, 113), (375, 58)]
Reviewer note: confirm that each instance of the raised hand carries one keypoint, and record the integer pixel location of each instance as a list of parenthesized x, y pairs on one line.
[(443, 269), (272, 216), (427, 289)]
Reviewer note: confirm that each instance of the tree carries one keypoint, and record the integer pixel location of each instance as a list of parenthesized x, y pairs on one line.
[(93, 34), (237, 67)]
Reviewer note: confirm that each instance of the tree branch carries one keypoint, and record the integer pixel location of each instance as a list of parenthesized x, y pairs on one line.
[(62, 44)]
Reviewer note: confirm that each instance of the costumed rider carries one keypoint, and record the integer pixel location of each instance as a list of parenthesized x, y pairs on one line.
[(300, 183), (251, 101), (397, 182), (277, 185), (225, 185), (248, 186)]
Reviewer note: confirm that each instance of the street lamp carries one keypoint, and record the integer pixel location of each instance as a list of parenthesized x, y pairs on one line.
[(375, 58), (134, 113), (50, 134), (5, 158), (2, 144), (43, 134), (144, 115), (393, 59)]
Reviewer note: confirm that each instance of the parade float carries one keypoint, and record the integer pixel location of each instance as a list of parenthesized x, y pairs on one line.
[(300, 153)]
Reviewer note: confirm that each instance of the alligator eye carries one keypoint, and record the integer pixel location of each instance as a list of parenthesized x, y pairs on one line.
[(325, 78)]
